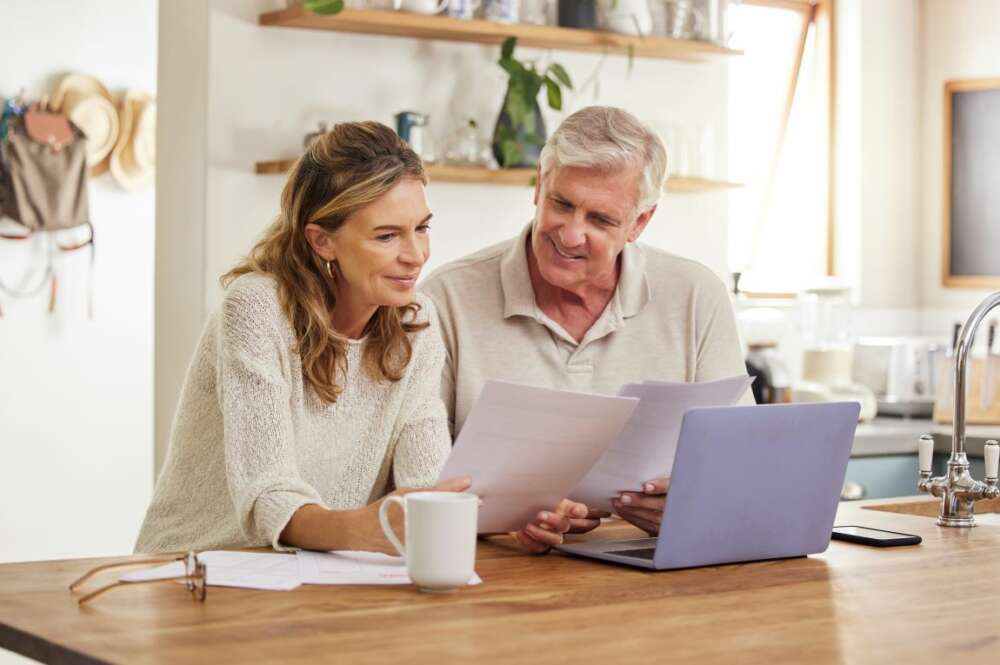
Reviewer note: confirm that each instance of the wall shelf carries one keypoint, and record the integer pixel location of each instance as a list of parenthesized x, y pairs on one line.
[(402, 24), (516, 177)]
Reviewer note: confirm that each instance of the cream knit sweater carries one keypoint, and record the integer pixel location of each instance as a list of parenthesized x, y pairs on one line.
[(250, 443)]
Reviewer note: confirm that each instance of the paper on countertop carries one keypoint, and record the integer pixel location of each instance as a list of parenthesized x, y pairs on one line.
[(526, 448), (348, 567), (245, 570), (646, 447)]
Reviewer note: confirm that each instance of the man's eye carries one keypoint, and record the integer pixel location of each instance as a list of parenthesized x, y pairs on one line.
[(562, 205)]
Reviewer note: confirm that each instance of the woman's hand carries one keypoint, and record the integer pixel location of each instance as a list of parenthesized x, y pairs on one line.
[(549, 526), (644, 509)]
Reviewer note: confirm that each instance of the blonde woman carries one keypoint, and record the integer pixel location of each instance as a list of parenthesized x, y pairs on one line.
[(316, 386)]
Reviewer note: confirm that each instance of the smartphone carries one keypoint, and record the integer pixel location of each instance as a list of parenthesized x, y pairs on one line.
[(877, 537)]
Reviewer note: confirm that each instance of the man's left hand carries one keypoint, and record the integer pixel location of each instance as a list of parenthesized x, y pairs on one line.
[(549, 526), (644, 509)]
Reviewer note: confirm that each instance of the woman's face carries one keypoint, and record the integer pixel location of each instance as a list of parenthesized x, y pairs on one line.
[(380, 249)]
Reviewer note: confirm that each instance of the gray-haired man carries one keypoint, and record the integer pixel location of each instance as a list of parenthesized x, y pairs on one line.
[(575, 303)]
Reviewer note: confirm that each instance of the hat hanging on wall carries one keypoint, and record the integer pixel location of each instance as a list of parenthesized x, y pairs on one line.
[(89, 105), (133, 160)]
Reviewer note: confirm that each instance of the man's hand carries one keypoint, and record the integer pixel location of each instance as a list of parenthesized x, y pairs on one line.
[(549, 526), (644, 509)]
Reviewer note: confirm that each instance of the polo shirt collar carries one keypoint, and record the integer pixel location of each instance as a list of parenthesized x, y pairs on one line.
[(631, 294)]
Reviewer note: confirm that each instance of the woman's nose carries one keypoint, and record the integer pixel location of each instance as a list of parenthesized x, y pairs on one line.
[(414, 251)]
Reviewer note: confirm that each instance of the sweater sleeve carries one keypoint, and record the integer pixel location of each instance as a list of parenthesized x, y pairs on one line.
[(254, 394), (424, 441)]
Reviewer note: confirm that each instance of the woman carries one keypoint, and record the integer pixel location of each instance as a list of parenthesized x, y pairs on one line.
[(316, 385)]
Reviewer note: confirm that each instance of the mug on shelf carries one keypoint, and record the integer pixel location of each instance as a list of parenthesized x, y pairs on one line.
[(440, 528), (428, 7), (626, 17), (464, 9), (502, 11)]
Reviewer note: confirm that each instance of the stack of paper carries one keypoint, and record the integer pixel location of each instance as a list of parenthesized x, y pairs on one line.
[(528, 448), (284, 572)]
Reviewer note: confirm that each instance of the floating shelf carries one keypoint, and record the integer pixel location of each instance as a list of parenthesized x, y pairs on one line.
[(402, 24), (517, 177)]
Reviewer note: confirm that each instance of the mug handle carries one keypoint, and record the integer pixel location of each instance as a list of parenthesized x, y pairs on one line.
[(383, 518)]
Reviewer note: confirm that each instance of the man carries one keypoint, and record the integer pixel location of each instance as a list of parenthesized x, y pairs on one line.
[(574, 303)]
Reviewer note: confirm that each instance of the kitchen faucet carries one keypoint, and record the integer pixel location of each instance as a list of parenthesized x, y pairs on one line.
[(957, 489)]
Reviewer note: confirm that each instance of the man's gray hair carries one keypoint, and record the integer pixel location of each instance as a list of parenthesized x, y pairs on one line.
[(609, 138)]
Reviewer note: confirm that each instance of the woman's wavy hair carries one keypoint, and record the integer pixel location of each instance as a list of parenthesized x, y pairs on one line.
[(343, 171)]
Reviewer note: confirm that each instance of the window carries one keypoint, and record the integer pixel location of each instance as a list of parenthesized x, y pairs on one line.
[(780, 146)]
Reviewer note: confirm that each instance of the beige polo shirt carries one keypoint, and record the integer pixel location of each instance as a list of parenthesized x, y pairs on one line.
[(670, 319)]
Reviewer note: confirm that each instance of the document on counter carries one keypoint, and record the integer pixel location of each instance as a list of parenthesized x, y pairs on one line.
[(526, 448), (246, 570), (347, 567), (646, 446)]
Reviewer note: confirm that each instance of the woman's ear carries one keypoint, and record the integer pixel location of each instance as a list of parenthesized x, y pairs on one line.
[(321, 242)]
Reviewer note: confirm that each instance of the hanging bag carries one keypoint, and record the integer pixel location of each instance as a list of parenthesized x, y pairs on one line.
[(43, 184)]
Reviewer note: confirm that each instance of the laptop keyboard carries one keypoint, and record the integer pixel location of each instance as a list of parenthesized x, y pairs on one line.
[(644, 553)]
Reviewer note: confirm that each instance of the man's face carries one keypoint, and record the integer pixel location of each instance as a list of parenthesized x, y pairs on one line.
[(583, 218)]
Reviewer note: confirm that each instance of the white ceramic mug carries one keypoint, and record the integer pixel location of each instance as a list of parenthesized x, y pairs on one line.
[(429, 7), (440, 550)]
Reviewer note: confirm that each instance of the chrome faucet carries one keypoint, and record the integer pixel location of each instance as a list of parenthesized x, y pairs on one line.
[(957, 489)]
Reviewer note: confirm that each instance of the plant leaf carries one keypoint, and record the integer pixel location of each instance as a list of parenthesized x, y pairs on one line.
[(554, 93), (561, 74), (507, 49), (510, 152), (324, 7)]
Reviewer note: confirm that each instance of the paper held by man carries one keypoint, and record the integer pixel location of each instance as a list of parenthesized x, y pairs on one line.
[(527, 448)]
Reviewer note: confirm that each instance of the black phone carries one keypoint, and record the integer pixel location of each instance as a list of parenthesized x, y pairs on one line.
[(877, 537)]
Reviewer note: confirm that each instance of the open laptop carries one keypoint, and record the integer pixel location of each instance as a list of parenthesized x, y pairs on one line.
[(748, 483)]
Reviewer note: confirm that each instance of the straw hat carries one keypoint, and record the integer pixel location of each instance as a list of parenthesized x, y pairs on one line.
[(133, 160), (89, 105)]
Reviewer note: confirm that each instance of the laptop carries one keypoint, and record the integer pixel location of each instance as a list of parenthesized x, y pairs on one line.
[(748, 483)]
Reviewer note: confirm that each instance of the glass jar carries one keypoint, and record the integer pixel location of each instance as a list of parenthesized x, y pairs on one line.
[(827, 344)]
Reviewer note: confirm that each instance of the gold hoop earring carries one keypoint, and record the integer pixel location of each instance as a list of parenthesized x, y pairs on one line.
[(329, 269)]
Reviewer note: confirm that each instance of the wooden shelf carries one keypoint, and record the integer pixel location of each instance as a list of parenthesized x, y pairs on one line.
[(516, 177), (402, 24)]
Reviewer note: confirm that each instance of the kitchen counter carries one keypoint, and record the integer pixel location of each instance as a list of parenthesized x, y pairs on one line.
[(852, 603), (899, 436)]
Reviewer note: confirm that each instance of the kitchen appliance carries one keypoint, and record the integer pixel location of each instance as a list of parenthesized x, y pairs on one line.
[(901, 371), (827, 351)]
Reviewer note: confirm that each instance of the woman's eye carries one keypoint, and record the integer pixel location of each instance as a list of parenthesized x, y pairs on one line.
[(386, 237), (423, 228)]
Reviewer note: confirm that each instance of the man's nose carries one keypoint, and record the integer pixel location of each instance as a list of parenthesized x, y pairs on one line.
[(573, 233)]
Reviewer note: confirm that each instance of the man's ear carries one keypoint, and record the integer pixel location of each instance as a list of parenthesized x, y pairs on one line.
[(321, 242), (639, 225)]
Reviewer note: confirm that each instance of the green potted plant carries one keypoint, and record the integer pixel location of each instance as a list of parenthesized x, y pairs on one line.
[(324, 7), (520, 130)]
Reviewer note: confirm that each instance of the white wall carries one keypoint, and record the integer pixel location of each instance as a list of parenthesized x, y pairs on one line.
[(76, 395), (267, 87), (959, 42), (878, 119)]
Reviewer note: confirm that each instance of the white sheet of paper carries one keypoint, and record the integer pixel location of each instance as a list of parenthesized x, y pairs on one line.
[(525, 448), (646, 446), (246, 570), (345, 567)]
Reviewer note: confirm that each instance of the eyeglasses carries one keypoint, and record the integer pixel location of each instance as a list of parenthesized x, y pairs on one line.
[(194, 576)]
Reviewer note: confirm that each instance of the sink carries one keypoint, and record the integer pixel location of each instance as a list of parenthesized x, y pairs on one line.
[(931, 507)]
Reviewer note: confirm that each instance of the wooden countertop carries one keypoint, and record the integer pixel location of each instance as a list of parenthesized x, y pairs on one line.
[(851, 604)]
